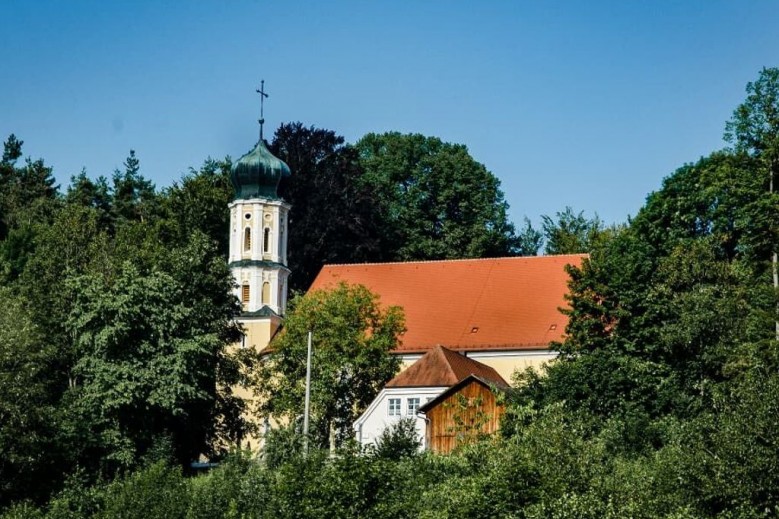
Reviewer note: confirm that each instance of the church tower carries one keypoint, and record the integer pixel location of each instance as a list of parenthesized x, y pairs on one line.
[(258, 243)]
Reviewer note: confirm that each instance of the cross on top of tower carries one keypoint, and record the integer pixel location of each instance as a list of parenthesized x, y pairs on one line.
[(263, 95)]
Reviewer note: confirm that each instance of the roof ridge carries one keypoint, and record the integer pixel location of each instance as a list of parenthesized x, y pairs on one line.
[(455, 260), (441, 350)]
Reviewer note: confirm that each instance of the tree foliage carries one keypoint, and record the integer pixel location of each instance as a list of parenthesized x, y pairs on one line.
[(352, 340), (26, 404), (436, 201), (334, 217), (571, 233), (148, 352)]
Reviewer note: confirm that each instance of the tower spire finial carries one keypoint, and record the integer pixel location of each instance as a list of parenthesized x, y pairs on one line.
[(263, 95)]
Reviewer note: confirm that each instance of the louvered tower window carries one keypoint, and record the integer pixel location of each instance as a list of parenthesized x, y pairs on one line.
[(245, 295), (247, 240)]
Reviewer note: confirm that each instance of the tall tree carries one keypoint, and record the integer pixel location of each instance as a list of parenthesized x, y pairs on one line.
[(28, 457), (150, 349), (199, 202), (754, 129), (25, 192), (657, 309), (132, 193), (333, 218), (89, 193), (529, 239), (352, 340), (436, 201), (571, 233), (12, 150)]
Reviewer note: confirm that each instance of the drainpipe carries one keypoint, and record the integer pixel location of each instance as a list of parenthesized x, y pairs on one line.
[(424, 417)]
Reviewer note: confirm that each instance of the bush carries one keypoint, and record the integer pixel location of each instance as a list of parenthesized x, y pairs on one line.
[(157, 491), (400, 440)]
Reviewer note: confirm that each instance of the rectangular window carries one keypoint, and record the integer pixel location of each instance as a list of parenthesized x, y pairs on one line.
[(394, 406), (412, 407), (245, 294)]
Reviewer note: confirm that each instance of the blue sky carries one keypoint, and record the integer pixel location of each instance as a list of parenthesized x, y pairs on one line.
[(582, 104)]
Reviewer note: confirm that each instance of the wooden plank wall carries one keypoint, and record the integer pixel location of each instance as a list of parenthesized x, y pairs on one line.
[(444, 433)]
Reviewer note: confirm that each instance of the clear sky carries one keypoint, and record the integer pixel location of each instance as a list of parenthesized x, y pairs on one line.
[(581, 103)]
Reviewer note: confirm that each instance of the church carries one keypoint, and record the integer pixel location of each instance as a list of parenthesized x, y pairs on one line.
[(498, 314)]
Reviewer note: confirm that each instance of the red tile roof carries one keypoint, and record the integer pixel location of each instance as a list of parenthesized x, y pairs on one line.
[(442, 367), (477, 304)]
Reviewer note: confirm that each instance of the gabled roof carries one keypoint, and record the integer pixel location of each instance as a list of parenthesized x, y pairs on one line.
[(442, 367), (461, 384), (476, 304)]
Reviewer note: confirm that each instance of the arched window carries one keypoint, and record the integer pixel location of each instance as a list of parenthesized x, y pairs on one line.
[(245, 295), (266, 240), (247, 239), (265, 293)]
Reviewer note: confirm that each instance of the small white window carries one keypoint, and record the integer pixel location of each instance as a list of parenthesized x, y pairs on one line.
[(412, 407), (394, 406)]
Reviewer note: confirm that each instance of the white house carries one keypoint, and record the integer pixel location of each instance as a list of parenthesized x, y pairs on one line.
[(437, 370)]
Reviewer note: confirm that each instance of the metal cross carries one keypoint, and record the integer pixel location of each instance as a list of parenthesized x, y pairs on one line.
[(263, 95)]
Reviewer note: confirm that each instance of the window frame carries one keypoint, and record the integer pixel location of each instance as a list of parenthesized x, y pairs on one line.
[(409, 401), (245, 294), (247, 239), (394, 406)]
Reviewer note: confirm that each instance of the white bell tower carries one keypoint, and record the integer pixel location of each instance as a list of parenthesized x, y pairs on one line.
[(258, 254), (258, 241)]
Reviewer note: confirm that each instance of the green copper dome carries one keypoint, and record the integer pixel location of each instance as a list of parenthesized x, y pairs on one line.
[(258, 173)]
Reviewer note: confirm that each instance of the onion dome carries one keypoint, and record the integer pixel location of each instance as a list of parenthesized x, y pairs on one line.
[(258, 173)]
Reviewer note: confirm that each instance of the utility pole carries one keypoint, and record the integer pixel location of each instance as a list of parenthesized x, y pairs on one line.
[(308, 396), (774, 257)]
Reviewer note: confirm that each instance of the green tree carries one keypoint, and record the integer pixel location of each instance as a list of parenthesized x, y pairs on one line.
[(529, 239), (12, 150), (85, 192), (199, 202), (28, 449), (399, 440), (72, 245), (26, 193), (436, 201), (571, 233), (754, 129), (334, 218), (133, 195), (353, 338), (149, 350)]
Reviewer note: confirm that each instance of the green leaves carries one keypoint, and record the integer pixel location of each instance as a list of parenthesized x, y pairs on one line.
[(352, 340), (571, 233), (435, 200)]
